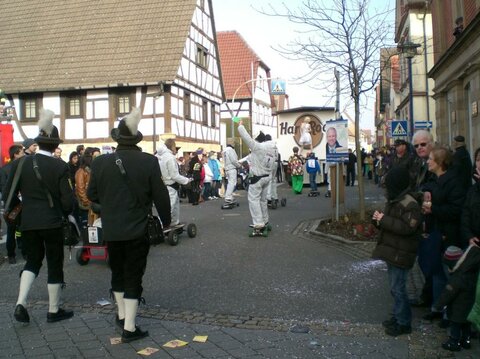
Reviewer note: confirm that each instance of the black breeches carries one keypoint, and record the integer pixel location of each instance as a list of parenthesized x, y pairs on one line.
[(45, 243), (128, 261)]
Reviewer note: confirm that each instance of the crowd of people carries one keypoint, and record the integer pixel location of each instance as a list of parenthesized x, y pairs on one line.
[(431, 216)]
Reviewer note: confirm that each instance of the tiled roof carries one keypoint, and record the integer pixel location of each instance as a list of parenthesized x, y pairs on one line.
[(236, 59), (58, 44)]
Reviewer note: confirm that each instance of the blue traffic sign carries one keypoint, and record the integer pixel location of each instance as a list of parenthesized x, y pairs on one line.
[(399, 128), (423, 124), (278, 87)]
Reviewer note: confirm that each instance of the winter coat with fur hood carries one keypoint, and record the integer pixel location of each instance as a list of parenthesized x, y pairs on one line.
[(399, 232)]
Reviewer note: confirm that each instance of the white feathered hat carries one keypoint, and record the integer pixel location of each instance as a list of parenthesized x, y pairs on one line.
[(127, 132), (47, 132)]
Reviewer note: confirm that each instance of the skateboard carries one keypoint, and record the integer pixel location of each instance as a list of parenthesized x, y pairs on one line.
[(230, 205), (313, 194), (260, 232), (172, 233)]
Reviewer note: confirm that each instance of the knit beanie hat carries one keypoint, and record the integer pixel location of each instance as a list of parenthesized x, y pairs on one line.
[(452, 255), (397, 181)]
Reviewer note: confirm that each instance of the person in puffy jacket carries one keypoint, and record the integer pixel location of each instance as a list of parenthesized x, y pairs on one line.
[(397, 245)]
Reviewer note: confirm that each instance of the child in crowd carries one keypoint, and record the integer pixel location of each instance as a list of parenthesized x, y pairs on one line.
[(397, 245), (459, 294)]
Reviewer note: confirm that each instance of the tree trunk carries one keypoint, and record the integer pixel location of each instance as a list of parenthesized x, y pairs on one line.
[(361, 190)]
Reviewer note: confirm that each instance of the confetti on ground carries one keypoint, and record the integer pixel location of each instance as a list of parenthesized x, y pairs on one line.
[(175, 344), (200, 338), (148, 351), (103, 302), (114, 341)]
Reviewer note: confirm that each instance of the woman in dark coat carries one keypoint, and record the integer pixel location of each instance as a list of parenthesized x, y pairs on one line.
[(442, 206)]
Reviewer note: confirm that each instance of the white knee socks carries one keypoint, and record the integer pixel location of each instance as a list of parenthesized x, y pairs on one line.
[(120, 304), (131, 306), (54, 297), (26, 281)]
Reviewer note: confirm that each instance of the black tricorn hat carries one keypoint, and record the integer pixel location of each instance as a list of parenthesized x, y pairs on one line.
[(127, 131), (48, 133)]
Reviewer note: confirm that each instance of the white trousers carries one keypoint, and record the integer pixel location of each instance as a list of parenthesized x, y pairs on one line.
[(231, 176), (175, 205), (257, 201), (272, 187)]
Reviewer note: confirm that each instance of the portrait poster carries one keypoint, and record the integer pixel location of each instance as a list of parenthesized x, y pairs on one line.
[(336, 135)]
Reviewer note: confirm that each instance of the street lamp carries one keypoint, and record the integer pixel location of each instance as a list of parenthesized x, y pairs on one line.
[(409, 50)]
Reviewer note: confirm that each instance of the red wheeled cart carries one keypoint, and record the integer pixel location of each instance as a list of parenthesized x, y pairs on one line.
[(93, 246)]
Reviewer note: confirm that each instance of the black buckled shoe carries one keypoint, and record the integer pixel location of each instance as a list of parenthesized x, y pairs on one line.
[(466, 343), (119, 322), (62, 314), (452, 345), (21, 314), (128, 336)]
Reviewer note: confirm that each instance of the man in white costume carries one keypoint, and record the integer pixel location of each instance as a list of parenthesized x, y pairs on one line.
[(262, 163), (230, 161), (171, 177)]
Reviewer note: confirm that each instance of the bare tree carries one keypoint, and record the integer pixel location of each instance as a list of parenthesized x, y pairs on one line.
[(346, 35)]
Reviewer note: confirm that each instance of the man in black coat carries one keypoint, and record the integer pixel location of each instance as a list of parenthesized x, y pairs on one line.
[(352, 160), (126, 201), (41, 222), (462, 163)]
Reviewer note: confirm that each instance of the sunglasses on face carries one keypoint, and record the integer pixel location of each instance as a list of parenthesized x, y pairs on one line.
[(423, 144)]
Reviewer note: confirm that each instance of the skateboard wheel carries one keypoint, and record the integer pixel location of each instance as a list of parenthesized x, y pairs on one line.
[(172, 238), (192, 230)]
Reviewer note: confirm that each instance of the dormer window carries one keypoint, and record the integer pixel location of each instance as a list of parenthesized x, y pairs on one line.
[(202, 56)]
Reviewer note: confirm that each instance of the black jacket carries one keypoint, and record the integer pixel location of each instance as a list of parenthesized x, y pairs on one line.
[(462, 164), (123, 217), (447, 202), (471, 214), (36, 211)]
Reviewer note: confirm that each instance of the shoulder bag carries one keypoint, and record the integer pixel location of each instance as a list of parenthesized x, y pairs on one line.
[(70, 230), (12, 216), (154, 232)]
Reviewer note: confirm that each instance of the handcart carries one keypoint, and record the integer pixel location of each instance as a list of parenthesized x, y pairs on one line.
[(93, 245)]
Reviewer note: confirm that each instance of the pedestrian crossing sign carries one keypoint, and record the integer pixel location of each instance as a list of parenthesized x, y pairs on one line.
[(399, 128), (278, 87)]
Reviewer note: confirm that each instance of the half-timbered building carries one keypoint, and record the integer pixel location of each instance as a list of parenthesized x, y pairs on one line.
[(247, 84), (92, 61)]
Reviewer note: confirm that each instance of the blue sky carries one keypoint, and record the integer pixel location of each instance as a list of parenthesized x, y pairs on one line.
[(262, 32)]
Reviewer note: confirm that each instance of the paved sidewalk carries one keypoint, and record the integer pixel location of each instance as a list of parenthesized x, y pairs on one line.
[(87, 335)]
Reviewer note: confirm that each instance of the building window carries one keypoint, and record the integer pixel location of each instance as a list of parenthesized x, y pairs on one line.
[(202, 4), (205, 113), (73, 106), (202, 56), (124, 102), (30, 107), (186, 106), (212, 116)]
